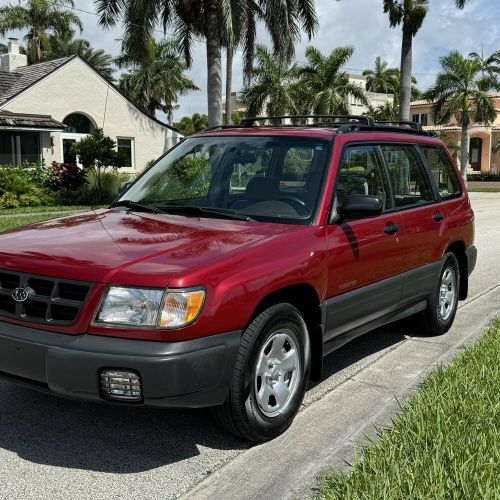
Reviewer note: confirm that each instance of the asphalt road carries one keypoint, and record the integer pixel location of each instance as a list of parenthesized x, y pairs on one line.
[(53, 448)]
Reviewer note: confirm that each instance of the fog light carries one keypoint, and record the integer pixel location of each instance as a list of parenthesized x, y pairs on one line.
[(121, 385)]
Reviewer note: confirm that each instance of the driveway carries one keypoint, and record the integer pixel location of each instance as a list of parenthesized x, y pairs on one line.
[(53, 448)]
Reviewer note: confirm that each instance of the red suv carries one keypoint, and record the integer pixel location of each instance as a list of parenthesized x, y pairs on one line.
[(226, 272)]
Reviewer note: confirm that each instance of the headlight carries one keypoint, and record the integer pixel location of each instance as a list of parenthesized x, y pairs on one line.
[(150, 307)]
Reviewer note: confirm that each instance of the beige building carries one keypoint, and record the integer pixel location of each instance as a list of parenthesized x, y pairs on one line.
[(483, 138), (46, 107)]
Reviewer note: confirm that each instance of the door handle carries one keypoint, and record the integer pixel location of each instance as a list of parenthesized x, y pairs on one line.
[(438, 216), (391, 228)]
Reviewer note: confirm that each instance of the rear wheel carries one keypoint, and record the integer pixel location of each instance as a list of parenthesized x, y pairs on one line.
[(443, 302), (270, 377)]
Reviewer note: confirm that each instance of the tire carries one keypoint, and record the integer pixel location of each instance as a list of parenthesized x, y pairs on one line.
[(258, 407), (438, 317)]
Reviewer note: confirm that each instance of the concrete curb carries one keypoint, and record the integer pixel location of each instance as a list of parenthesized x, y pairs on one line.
[(325, 434)]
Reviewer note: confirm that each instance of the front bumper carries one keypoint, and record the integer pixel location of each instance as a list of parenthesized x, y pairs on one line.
[(195, 373)]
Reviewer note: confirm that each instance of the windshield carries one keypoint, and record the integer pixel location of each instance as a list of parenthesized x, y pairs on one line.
[(274, 179)]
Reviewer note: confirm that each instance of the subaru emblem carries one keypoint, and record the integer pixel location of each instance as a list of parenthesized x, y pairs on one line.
[(20, 294)]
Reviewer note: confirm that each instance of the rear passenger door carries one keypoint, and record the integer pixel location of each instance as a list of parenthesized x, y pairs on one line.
[(416, 201), (364, 255)]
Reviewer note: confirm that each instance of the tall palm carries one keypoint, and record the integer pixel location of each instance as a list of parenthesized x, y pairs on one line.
[(214, 21), (67, 45), (159, 81), (41, 18), (456, 93), (409, 14), (271, 86), (327, 87), (490, 70), (381, 78)]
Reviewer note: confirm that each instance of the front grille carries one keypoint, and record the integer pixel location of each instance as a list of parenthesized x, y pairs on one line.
[(50, 300)]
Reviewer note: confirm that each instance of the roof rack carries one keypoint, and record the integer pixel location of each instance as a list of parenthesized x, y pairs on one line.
[(308, 120), (343, 123)]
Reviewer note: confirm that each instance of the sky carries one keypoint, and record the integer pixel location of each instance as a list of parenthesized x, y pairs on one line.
[(360, 23)]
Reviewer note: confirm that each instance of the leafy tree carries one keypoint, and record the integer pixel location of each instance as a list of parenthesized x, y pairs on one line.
[(326, 86), (271, 86), (385, 112), (214, 20), (156, 83), (98, 152), (41, 18), (410, 15), (67, 45), (490, 70), (381, 78), (192, 124), (457, 93)]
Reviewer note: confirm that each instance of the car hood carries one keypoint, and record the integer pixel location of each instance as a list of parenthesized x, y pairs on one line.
[(118, 246)]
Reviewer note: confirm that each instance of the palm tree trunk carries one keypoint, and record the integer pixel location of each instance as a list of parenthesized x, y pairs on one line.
[(214, 69), (229, 83), (170, 115), (464, 151), (405, 76)]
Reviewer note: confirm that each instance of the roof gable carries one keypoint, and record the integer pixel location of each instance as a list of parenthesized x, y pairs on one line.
[(24, 77)]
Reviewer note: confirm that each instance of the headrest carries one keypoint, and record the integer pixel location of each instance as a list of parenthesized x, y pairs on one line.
[(262, 188)]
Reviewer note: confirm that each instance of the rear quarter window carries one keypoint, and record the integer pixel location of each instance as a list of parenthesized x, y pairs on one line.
[(442, 171)]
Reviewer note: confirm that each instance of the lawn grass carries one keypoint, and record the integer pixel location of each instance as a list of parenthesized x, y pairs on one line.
[(483, 190), (60, 208), (445, 444), (21, 220)]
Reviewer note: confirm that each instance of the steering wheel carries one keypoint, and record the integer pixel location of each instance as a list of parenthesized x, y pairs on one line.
[(294, 202)]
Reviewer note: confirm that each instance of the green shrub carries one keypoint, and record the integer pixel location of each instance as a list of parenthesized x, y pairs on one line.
[(66, 175), (22, 186)]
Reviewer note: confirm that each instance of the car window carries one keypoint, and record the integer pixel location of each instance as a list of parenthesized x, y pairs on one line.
[(361, 172), (297, 166), (443, 171), (409, 181), (254, 163)]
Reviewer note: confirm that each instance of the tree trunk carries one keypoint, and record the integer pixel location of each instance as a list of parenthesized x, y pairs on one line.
[(170, 115), (405, 75), (229, 83), (464, 152), (214, 69)]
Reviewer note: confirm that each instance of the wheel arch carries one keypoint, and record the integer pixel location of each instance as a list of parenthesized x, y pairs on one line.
[(458, 248), (304, 297)]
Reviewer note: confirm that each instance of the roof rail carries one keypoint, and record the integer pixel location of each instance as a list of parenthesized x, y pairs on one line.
[(390, 123), (405, 128), (316, 120)]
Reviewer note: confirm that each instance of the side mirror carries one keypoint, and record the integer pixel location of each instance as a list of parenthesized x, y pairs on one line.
[(359, 206), (123, 187)]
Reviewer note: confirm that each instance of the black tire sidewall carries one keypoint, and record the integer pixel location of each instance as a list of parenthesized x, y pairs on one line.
[(437, 323), (282, 316)]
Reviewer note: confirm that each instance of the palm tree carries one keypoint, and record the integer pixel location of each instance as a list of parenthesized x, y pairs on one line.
[(326, 86), (41, 18), (213, 20), (385, 112), (409, 14), (490, 70), (192, 124), (271, 86), (159, 81), (456, 93), (66, 45), (381, 78)]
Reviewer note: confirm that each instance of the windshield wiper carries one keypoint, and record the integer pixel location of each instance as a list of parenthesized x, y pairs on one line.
[(193, 209), (134, 205)]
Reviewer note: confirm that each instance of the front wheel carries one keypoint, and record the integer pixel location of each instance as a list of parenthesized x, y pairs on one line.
[(443, 302), (270, 376)]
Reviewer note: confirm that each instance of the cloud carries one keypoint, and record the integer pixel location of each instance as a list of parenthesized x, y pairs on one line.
[(361, 23)]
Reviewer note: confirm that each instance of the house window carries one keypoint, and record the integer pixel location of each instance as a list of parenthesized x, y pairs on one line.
[(419, 118), (125, 147), (19, 147)]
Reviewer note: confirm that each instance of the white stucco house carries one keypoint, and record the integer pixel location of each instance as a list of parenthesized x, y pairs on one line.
[(46, 107)]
